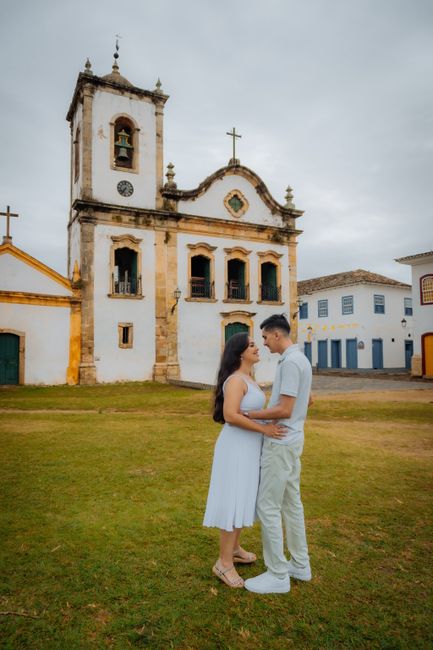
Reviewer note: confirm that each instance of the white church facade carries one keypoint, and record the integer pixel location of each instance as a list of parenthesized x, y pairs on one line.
[(159, 277)]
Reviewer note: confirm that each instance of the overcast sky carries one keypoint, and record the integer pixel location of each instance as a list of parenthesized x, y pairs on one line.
[(334, 97)]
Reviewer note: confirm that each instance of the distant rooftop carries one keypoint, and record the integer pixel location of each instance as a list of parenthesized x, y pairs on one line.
[(417, 259), (346, 279)]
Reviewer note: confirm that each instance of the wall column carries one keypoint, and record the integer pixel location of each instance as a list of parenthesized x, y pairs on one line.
[(159, 157), (86, 137), (166, 338), (293, 290), (87, 369), (416, 365), (160, 367)]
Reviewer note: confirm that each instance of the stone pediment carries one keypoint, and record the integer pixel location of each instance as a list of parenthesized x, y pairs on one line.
[(233, 192), (20, 272)]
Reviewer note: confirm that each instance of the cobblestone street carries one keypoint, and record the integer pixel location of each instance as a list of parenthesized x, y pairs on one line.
[(350, 384)]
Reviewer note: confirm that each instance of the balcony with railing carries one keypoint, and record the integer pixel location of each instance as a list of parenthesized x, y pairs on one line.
[(270, 293), (237, 291), (126, 285), (201, 288)]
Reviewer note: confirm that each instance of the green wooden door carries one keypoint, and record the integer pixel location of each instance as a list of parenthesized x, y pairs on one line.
[(234, 328), (9, 358)]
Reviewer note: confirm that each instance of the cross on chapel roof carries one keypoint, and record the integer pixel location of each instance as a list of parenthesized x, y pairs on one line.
[(7, 239)]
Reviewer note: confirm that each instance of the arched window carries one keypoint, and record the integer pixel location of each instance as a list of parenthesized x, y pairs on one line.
[(236, 321), (124, 144), (236, 286), (201, 272), (77, 142), (426, 289), (125, 272), (200, 277), (270, 277), (237, 275), (125, 267), (235, 328), (269, 289)]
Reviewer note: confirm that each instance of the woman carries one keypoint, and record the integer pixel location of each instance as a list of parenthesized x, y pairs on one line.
[(231, 502)]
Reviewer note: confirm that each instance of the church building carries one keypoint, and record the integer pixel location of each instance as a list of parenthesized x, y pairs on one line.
[(166, 274), (163, 276)]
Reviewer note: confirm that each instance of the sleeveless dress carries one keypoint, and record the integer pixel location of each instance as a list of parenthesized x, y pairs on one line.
[(234, 482)]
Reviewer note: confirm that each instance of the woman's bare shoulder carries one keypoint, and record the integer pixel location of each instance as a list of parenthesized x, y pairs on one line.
[(236, 380)]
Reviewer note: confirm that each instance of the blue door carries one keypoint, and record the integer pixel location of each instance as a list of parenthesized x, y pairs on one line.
[(322, 354), (408, 352), (307, 350), (351, 353), (377, 354), (335, 354)]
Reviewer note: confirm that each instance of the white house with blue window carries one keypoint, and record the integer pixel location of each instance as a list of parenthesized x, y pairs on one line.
[(422, 296), (356, 320)]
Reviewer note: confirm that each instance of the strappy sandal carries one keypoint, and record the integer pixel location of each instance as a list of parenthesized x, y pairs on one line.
[(246, 558), (235, 584)]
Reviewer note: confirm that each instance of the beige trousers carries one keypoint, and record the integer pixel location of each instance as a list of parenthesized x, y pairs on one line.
[(278, 502)]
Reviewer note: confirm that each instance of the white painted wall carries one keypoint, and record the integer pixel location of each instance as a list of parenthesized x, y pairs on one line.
[(422, 314), (106, 107), (363, 324), (46, 330), (16, 275), (211, 203), (77, 122), (74, 234), (200, 332), (114, 363)]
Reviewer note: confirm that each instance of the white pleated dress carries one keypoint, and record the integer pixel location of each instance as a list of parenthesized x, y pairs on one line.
[(231, 502)]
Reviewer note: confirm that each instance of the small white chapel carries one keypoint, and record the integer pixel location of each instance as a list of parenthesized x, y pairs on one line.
[(158, 277)]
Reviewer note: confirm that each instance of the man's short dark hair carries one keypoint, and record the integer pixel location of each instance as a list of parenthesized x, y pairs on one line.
[(276, 322)]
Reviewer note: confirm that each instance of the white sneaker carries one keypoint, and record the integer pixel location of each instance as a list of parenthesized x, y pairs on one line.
[(267, 583), (299, 574)]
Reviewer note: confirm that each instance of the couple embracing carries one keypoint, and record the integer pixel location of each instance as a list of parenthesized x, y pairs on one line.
[(256, 467)]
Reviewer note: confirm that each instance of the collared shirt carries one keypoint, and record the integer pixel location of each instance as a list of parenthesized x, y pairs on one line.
[(293, 378)]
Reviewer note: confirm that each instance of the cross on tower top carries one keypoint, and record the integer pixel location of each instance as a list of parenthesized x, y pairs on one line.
[(7, 239), (234, 135)]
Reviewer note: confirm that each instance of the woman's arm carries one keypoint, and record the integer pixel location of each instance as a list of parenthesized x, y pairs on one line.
[(280, 411)]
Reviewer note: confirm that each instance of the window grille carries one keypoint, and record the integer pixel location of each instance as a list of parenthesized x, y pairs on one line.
[(427, 290), (303, 310)]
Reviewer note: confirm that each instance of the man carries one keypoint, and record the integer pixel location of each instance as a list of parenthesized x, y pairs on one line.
[(279, 498)]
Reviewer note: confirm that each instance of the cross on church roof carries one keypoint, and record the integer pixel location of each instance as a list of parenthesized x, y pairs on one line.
[(8, 214), (234, 135)]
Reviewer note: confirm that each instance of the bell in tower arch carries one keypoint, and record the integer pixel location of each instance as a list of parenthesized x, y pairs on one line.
[(123, 148)]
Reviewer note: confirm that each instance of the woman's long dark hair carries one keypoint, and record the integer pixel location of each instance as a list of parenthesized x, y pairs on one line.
[(230, 362)]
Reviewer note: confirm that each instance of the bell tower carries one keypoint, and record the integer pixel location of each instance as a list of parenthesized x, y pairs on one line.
[(116, 183), (116, 140)]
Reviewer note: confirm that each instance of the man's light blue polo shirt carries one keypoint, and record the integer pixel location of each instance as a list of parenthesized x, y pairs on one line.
[(293, 377)]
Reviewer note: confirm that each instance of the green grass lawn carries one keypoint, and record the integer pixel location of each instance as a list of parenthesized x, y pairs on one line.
[(103, 492)]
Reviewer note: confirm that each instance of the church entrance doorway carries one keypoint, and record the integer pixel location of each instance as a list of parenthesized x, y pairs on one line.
[(234, 328), (9, 358)]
